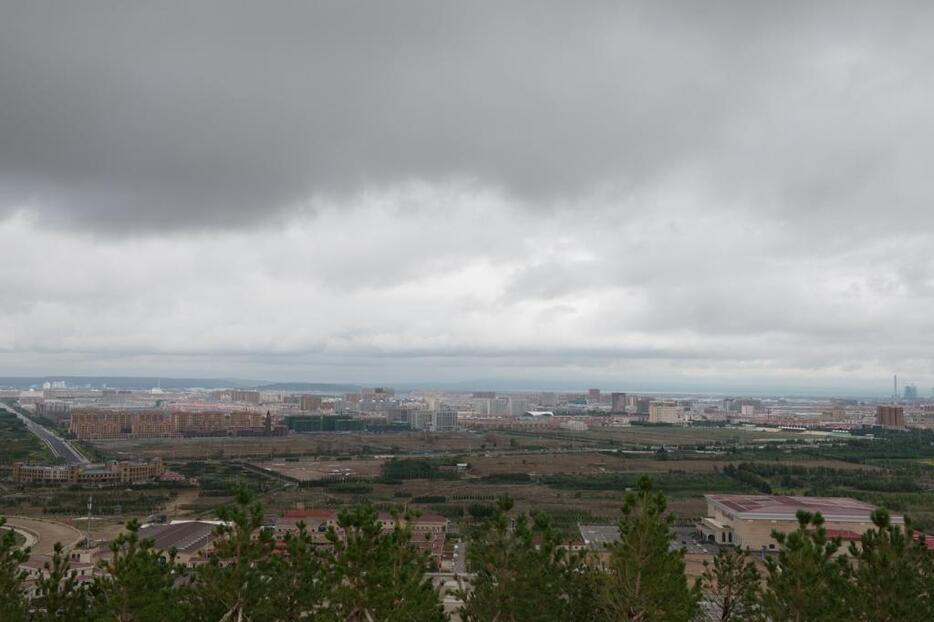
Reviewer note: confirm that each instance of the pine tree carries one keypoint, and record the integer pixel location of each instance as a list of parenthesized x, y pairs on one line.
[(138, 584), (808, 581), (60, 594), (892, 574), (732, 585), (522, 573), (12, 604), (646, 580), (237, 583), (378, 574), (302, 582)]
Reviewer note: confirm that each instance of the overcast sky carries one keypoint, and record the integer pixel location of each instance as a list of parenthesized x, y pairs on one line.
[(631, 195)]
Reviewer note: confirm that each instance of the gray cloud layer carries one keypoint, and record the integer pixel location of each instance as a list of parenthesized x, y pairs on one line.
[(718, 189), (132, 115)]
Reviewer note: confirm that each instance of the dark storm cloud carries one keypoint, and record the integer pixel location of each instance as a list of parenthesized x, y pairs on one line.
[(172, 114)]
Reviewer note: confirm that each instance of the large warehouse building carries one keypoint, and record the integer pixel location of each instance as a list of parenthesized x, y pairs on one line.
[(748, 520)]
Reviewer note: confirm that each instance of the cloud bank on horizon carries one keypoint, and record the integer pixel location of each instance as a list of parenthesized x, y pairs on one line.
[(718, 195)]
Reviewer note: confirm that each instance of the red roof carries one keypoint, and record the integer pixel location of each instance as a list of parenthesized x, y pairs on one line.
[(784, 507), (927, 539), (843, 534), (431, 518)]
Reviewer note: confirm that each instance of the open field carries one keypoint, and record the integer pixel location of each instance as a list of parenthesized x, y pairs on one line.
[(309, 470), (320, 444), (334, 444), (47, 532), (19, 444), (574, 476)]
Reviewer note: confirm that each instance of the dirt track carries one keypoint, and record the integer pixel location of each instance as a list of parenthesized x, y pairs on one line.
[(48, 532)]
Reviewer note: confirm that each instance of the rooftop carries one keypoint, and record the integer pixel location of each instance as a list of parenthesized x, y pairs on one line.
[(599, 536), (184, 537), (781, 507)]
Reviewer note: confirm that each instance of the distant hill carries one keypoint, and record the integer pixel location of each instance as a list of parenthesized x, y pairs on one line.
[(312, 387), (130, 382)]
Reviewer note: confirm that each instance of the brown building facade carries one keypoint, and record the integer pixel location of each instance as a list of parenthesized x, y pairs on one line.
[(890, 416), (109, 473)]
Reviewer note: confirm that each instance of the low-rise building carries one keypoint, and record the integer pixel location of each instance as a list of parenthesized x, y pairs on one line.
[(108, 473), (748, 521), (192, 540)]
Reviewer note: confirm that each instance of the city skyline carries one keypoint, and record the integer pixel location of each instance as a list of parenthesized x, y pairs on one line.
[(622, 196)]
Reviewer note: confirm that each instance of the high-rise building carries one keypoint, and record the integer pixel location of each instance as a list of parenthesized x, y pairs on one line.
[(93, 424), (379, 393), (310, 402), (420, 419), (890, 416), (618, 402), (663, 412), (444, 419), (518, 406), (251, 397), (593, 396), (911, 392)]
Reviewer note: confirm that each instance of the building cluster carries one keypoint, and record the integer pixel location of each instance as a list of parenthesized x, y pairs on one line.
[(116, 413), (890, 416), (113, 473), (104, 424), (193, 540), (428, 531)]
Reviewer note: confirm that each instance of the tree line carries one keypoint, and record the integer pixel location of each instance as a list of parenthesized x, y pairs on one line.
[(520, 572)]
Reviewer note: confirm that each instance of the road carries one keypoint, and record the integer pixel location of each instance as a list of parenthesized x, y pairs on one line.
[(45, 533), (460, 559), (58, 445)]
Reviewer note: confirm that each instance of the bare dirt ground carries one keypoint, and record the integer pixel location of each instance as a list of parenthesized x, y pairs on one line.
[(309, 469), (355, 443), (177, 506), (48, 533), (270, 448), (595, 463)]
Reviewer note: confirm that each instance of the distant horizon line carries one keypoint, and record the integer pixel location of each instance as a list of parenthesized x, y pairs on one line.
[(143, 382)]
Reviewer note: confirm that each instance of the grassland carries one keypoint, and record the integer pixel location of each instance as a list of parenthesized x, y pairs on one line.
[(19, 444), (575, 476)]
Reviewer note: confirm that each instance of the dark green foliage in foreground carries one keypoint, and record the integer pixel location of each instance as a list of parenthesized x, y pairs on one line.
[(140, 583), (646, 579), (378, 572), (893, 574), (12, 607), (732, 584), (523, 573), (60, 594), (807, 580)]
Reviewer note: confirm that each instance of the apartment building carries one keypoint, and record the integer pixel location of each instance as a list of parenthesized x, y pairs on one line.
[(108, 473)]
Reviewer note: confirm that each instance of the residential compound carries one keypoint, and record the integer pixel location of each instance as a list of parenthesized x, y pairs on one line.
[(663, 412), (890, 416), (109, 473), (748, 520), (102, 424)]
